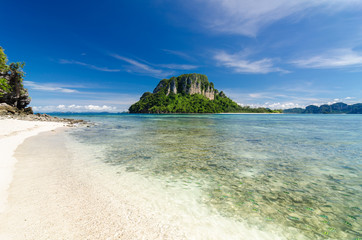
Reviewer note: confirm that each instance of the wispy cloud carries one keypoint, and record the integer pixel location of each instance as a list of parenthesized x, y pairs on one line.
[(247, 17), (179, 54), (178, 66), (340, 58), (48, 87), (240, 64), (269, 99), (90, 66), (143, 68), (282, 97)]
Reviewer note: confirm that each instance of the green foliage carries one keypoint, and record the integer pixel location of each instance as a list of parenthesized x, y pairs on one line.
[(196, 103), (17, 68), (4, 87), (3, 61), (15, 74), (146, 94)]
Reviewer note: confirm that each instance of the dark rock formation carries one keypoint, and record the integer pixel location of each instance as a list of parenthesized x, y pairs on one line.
[(7, 111), (13, 92)]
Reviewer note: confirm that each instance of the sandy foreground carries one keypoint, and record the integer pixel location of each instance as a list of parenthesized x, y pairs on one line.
[(12, 134), (48, 191), (44, 195)]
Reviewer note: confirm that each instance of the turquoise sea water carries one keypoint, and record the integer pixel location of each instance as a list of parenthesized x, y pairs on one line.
[(299, 174)]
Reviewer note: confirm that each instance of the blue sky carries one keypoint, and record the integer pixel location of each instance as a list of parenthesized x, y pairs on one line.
[(102, 55)]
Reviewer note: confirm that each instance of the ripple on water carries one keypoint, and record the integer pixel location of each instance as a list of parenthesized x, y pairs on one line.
[(300, 173)]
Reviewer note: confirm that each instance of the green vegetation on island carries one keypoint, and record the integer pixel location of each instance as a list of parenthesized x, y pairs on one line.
[(336, 108), (189, 93), (12, 91)]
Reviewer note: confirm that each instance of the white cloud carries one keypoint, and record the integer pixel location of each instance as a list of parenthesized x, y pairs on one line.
[(275, 105), (99, 108), (90, 66), (340, 58), (247, 17), (142, 68), (258, 95), (48, 87), (76, 108), (282, 105), (153, 70), (178, 66), (240, 64), (280, 98), (179, 54)]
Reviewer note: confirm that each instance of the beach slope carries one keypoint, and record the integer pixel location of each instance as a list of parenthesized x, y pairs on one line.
[(51, 196), (12, 133)]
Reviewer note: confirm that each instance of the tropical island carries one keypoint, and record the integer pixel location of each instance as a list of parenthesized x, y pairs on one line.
[(190, 93), (336, 108)]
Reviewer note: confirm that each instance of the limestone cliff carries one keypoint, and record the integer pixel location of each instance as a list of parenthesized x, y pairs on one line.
[(187, 84), (188, 93)]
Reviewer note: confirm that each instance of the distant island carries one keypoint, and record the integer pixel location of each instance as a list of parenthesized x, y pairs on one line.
[(189, 93), (336, 108)]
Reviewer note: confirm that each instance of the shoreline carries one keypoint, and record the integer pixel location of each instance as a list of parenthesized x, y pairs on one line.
[(13, 133), (61, 192), (56, 195)]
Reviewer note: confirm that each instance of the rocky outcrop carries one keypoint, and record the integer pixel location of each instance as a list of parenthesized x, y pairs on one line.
[(189, 93), (7, 111), (187, 84), (14, 97), (13, 92)]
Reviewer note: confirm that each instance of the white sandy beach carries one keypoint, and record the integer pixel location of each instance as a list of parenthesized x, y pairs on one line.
[(45, 196), (12, 134)]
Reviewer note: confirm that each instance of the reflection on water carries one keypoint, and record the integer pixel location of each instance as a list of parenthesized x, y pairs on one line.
[(301, 172)]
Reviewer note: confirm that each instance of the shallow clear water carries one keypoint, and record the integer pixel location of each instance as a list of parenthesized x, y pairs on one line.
[(301, 173)]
